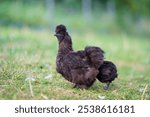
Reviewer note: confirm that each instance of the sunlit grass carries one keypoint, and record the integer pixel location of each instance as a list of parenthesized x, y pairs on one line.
[(27, 53)]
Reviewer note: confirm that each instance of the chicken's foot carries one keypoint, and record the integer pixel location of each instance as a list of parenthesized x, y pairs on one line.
[(106, 87)]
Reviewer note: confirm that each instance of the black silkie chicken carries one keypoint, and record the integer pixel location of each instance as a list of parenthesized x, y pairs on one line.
[(107, 73), (80, 67)]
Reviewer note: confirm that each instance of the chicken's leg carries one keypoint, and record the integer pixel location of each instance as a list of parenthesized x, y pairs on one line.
[(106, 87), (75, 85)]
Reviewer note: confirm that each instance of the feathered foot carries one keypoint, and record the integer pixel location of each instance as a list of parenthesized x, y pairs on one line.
[(106, 87)]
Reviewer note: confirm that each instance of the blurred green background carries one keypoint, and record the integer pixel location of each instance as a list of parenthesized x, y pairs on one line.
[(111, 16), (28, 48)]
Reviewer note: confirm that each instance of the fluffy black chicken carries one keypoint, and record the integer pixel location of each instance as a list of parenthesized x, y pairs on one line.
[(107, 73), (81, 67)]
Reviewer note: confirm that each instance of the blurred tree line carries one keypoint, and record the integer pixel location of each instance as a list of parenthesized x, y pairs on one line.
[(134, 7), (127, 15)]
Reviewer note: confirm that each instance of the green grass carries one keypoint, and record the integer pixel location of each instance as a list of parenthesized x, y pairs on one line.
[(26, 53)]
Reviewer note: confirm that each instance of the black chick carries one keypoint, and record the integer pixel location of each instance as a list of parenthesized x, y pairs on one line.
[(107, 73)]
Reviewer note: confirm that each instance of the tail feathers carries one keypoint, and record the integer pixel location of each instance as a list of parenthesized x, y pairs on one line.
[(107, 72), (95, 55)]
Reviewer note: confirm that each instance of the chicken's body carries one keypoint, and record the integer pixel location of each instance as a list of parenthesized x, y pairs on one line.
[(81, 67)]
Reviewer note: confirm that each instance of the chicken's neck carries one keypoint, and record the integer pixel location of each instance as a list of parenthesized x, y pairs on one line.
[(64, 48)]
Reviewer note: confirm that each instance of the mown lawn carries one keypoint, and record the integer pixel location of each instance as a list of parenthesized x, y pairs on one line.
[(26, 52)]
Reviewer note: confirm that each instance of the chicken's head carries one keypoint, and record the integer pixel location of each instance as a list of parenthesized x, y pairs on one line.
[(60, 32)]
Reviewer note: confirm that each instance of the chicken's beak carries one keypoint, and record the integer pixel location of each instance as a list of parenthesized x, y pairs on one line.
[(57, 35)]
